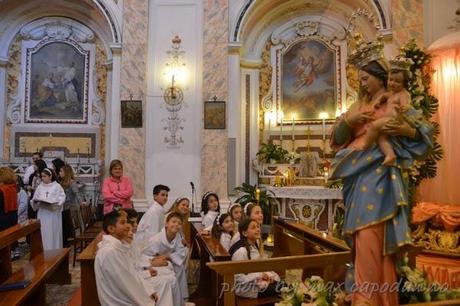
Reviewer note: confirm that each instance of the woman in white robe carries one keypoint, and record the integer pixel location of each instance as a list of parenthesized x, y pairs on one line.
[(48, 199), (173, 248)]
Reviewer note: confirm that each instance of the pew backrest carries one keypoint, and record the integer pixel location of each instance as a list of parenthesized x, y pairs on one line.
[(279, 264)]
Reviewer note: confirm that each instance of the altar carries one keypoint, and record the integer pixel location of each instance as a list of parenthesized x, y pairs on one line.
[(314, 206)]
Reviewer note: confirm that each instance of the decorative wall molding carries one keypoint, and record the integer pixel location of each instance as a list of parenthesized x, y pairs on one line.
[(14, 110), (42, 33), (322, 30), (58, 28), (98, 108)]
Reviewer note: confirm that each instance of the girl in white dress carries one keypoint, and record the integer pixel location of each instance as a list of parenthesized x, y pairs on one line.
[(223, 230), (257, 284), (236, 212), (254, 212), (210, 209), (48, 199)]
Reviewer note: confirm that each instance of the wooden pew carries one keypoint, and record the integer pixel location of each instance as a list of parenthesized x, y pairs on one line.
[(206, 248), (292, 238), (50, 266), (88, 278), (228, 270)]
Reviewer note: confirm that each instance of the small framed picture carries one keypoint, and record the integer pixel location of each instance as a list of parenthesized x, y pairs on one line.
[(214, 115), (131, 113)]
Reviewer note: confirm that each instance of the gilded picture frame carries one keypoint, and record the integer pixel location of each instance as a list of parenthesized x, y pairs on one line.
[(56, 82), (214, 115), (308, 80), (131, 113)]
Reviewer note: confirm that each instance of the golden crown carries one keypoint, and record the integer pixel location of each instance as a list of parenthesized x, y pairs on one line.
[(401, 63), (366, 52)]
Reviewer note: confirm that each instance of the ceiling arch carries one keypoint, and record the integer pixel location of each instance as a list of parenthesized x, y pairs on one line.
[(257, 19), (253, 10)]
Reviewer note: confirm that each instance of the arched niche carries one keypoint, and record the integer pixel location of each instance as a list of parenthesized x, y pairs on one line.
[(91, 26), (258, 30)]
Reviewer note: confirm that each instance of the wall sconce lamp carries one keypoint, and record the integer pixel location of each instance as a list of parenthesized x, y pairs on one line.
[(173, 94)]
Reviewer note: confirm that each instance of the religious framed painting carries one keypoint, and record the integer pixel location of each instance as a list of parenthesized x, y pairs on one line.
[(308, 85), (214, 115), (56, 85), (131, 114)]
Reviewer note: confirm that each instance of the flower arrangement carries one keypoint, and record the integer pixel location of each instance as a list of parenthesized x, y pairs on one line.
[(270, 152), (419, 89), (312, 292), (415, 287)]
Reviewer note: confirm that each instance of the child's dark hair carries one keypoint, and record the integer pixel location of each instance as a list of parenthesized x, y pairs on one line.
[(19, 182), (217, 227), (111, 219), (243, 242), (131, 213), (40, 154), (174, 215), (205, 201), (51, 173), (158, 188)]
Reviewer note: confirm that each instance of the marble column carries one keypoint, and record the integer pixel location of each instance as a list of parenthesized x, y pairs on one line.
[(113, 107), (235, 126), (3, 100), (215, 77)]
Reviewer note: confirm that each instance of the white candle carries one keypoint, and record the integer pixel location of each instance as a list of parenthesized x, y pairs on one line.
[(281, 133), (293, 127), (323, 116), (324, 129)]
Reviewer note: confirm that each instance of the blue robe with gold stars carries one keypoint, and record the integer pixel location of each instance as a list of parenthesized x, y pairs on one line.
[(374, 193)]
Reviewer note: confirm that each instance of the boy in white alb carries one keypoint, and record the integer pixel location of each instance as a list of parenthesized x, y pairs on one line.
[(165, 281), (154, 219), (118, 283), (168, 244)]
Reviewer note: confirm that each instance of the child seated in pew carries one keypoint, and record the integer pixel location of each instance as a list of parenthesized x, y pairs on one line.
[(254, 212), (164, 284), (223, 230), (210, 208), (167, 245), (182, 206), (257, 284), (153, 220), (117, 281), (236, 212)]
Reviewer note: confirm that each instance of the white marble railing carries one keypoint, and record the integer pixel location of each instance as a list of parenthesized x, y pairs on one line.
[(307, 204)]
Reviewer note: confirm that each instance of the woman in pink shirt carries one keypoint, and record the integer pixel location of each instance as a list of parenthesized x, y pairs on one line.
[(116, 189)]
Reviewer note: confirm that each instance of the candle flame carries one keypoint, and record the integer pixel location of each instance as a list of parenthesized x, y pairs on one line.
[(323, 115)]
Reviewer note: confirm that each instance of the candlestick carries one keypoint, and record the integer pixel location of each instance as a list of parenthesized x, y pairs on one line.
[(281, 133), (308, 138), (268, 128)]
